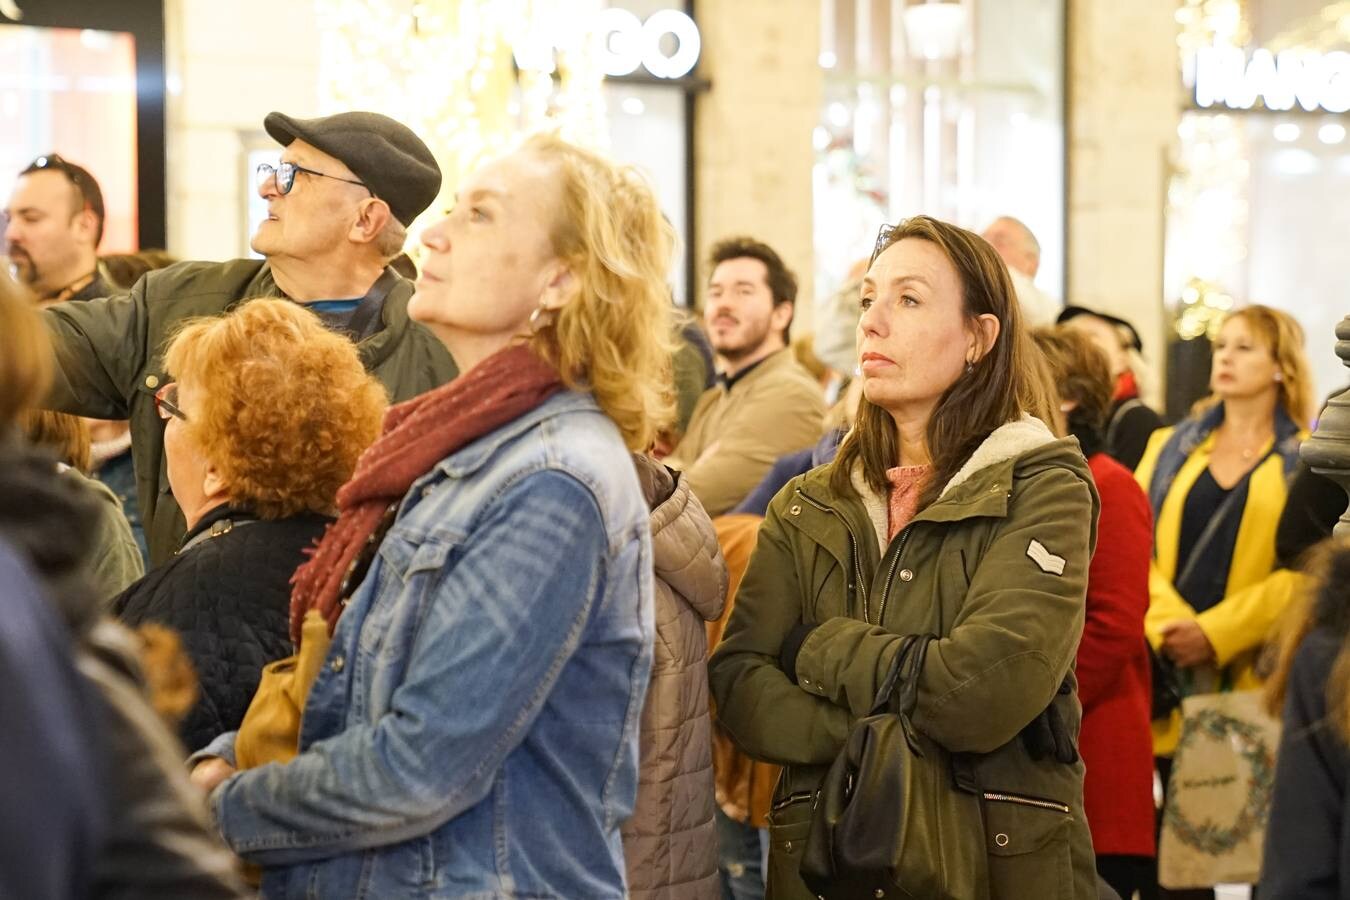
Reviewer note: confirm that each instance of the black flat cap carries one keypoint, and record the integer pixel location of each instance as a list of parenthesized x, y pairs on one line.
[(1072, 312), (384, 154)]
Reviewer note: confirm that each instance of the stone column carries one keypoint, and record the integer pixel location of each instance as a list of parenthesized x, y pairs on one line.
[(1327, 452), (753, 131), (1124, 98)]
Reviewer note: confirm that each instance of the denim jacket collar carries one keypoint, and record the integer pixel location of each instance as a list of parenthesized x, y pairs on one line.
[(468, 460)]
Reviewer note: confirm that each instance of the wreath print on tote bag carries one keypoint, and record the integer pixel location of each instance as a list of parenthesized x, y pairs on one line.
[(1219, 796)]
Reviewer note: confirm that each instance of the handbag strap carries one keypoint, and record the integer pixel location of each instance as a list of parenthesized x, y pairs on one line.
[(909, 689), (905, 668), (883, 697)]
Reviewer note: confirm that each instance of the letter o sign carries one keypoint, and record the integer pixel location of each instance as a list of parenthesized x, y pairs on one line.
[(627, 43)]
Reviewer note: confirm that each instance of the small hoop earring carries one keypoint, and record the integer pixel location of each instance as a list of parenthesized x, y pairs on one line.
[(540, 319), (970, 367)]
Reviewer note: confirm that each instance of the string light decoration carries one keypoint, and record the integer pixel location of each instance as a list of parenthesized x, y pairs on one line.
[(1208, 194), (470, 77)]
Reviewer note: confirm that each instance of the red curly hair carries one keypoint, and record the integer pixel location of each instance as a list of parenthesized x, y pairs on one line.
[(286, 408)]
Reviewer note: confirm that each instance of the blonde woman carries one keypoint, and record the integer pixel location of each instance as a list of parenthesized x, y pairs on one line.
[(1217, 484), (474, 728)]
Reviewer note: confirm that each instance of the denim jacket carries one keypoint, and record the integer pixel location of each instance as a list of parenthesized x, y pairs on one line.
[(473, 732)]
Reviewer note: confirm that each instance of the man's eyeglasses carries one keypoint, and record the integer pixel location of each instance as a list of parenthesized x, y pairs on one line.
[(166, 402), (285, 176)]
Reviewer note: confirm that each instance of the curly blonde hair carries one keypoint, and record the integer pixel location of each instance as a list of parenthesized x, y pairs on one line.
[(614, 338), (286, 406)]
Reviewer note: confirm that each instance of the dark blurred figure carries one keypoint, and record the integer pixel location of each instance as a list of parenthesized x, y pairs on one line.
[(1307, 853), (1114, 687), (122, 270), (116, 559), (268, 374), (95, 801), (1132, 421)]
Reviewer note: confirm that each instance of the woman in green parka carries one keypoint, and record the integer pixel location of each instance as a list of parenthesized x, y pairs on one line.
[(951, 510)]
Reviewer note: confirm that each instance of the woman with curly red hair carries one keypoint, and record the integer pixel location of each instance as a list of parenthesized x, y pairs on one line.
[(265, 421)]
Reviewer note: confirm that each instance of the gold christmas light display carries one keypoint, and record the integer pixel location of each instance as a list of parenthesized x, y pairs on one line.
[(471, 77)]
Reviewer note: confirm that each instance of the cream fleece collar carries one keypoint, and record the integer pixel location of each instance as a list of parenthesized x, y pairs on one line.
[(1005, 442)]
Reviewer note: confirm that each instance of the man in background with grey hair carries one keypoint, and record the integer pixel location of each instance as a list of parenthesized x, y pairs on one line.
[(1022, 253)]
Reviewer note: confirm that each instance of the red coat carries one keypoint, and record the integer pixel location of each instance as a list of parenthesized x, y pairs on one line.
[(1113, 669)]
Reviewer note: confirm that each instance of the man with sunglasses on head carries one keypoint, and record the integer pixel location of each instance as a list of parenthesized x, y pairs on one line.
[(52, 227), (338, 205)]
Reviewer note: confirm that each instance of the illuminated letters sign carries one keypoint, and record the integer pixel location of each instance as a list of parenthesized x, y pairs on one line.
[(1232, 78), (626, 43)]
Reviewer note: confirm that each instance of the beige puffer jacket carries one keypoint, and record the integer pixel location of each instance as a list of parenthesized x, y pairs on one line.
[(670, 843)]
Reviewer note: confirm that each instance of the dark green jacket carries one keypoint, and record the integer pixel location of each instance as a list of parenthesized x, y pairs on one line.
[(109, 361), (997, 568)]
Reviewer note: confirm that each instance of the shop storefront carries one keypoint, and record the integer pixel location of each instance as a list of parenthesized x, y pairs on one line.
[(1253, 208), (86, 81), (953, 109)]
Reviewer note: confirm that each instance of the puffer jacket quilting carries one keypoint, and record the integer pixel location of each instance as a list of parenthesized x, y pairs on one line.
[(670, 843)]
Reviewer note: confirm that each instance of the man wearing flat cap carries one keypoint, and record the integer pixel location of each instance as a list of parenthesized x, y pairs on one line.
[(338, 205)]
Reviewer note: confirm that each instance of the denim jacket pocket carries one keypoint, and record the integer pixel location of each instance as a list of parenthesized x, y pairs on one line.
[(407, 572)]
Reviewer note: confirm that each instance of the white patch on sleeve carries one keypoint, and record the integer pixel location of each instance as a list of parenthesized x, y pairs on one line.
[(1042, 557)]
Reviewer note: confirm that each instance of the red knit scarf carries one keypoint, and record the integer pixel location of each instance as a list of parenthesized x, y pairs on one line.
[(417, 434)]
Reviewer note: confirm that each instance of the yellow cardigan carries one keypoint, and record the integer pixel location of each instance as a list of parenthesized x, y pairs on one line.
[(1258, 593)]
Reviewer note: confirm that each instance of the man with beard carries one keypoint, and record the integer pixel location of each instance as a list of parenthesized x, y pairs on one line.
[(764, 404), (53, 225)]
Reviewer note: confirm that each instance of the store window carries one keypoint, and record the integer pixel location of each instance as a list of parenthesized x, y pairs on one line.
[(951, 109), (1262, 155), (86, 81)]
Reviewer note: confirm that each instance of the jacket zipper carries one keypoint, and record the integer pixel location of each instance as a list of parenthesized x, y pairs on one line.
[(1028, 801), (790, 799), (886, 591), (853, 544)]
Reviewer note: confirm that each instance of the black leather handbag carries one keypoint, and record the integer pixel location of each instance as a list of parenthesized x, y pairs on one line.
[(891, 818)]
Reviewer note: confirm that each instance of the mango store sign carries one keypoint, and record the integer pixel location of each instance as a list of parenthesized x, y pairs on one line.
[(667, 45), (1234, 78)]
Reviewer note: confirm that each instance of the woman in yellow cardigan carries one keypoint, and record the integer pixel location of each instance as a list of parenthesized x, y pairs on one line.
[(1217, 485)]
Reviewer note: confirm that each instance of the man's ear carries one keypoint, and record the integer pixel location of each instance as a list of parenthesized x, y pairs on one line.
[(371, 218), (86, 221), (985, 335), (559, 289), (781, 316)]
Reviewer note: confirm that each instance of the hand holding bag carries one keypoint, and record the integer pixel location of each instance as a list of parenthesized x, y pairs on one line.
[(890, 819)]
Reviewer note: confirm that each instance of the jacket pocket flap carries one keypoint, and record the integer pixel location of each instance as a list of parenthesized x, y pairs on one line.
[(1015, 824)]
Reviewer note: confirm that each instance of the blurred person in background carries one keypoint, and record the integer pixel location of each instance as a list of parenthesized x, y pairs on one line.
[(338, 206), (116, 558), (1307, 852), (1112, 664), (1132, 421), (952, 510), (764, 403), (1217, 484), (508, 595), (95, 801), (670, 842), (53, 225), (265, 419), (1021, 252)]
